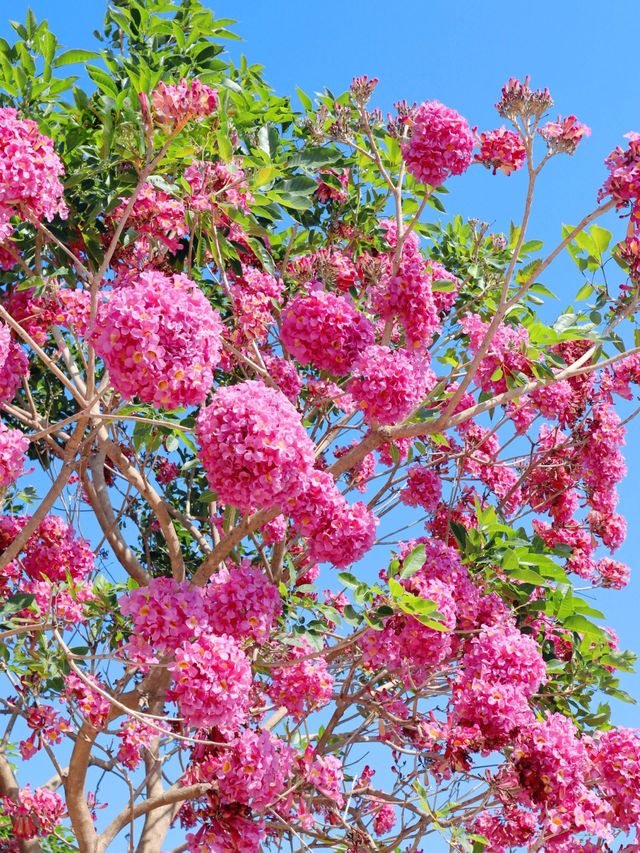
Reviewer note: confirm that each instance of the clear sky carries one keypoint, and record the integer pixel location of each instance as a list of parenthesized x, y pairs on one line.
[(461, 54)]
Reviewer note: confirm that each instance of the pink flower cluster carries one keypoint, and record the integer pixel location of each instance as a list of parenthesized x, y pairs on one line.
[(211, 682), (337, 532), (501, 149), (444, 300), (423, 488), (48, 727), (30, 172), (327, 192), (13, 446), (79, 693), (255, 295), (301, 687), (134, 736), (254, 447), (160, 339), (34, 313), (441, 144), (284, 374), (53, 552), (564, 135), (252, 770), (242, 602), (180, 102), (616, 759), (507, 352), (325, 330), (155, 215), (623, 182), (388, 385), (407, 295), (231, 830), (499, 671), (324, 772), (13, 367), (360, 474), (213, 184), (37, 812), (405, 643), (165, 613)]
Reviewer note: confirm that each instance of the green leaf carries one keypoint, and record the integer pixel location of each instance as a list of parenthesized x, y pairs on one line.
[(601, 237), (74, 55), (522, 573), (16, 603), (305, 100), (268, 140), (585, 292), (315, 158), (225, 148), (102, 80), (413, 562), (349, 580), (582, 625)]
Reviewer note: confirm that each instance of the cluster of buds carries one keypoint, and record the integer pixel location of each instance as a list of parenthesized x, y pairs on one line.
[(519, 101), (563, 136), (341, 129), (400, 126), (315, 124), (362, 89), (374, 119)]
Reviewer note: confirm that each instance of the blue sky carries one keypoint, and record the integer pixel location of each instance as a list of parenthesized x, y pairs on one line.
[(461, 54)]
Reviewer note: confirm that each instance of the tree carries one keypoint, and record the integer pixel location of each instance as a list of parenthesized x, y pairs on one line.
[(221, 318)]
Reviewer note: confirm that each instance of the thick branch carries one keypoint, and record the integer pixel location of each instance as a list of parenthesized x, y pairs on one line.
[(96, 489), (176, 794)]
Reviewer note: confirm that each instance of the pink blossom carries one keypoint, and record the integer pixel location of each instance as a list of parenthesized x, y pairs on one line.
[(423, 488), (407, 295), (327, 192), (304, 686), (255, 296), (252, 770), (36, 813), (13, 446), (212, 678), (324, 772), (30, 171), (336, 531), (564, 134), (135, 736), (285, 375), (160, 339), (388, 385), (155, 214), (444, 300), (325, 330), (441, 144), (242, 602), (623, 182), (501, 149), (360, 474), (215, 184), (13, 369), (253, 445), (165, 613), (80, 694), (180, 102)]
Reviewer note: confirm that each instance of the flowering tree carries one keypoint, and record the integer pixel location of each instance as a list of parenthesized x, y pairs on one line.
[(220, 320)]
